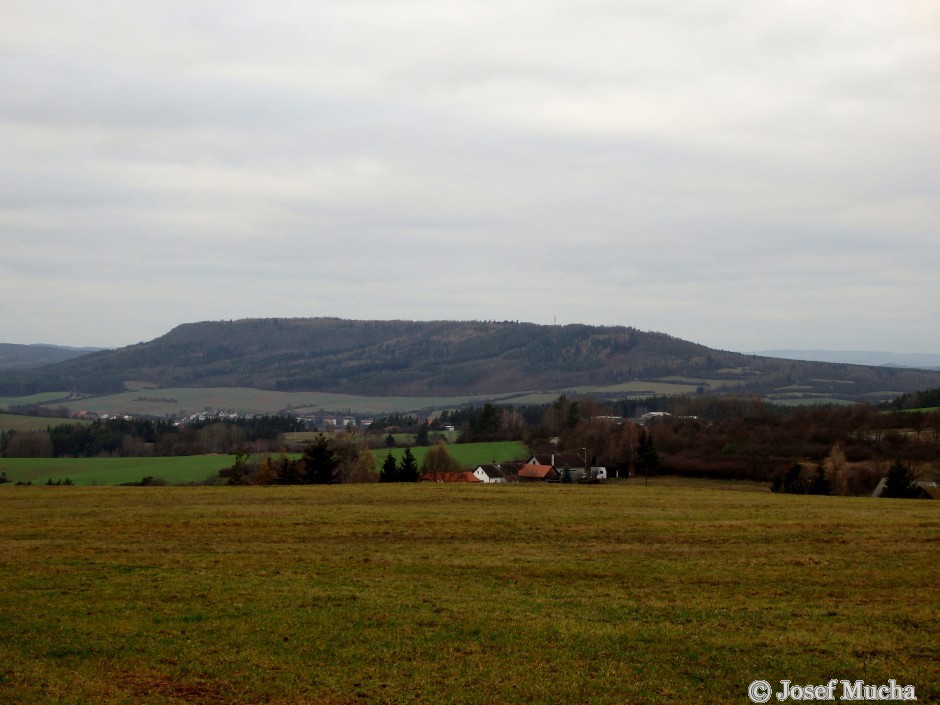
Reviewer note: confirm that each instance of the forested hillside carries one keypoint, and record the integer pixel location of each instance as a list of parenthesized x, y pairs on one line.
[(439, 358), (22, 357)]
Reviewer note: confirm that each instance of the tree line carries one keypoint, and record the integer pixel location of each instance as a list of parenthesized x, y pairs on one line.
[(320, 464), (704, 436), (334, 460), (139, 437), (843, 450)]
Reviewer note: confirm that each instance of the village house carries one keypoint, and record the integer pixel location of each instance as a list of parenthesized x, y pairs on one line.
[(572, 460), (489, 473), (921, 489), (530, 472)]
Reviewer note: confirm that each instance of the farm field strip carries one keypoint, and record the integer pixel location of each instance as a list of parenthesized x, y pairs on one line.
[(184, 400), (459, 594), (114, 471), (469, 455), (43, 398), (162, 402), (33, 423), (196, 468)]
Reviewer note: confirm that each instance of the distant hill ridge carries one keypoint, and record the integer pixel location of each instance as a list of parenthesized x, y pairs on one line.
[(923, 361), (435, 358), (23, 357)]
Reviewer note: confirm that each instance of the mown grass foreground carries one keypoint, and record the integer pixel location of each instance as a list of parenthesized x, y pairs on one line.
[(459, 594)]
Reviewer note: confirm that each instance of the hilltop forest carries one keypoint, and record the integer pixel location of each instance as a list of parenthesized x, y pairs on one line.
[(439, 358)]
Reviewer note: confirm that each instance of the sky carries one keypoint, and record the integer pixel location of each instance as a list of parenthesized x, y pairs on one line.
[(745, 175)]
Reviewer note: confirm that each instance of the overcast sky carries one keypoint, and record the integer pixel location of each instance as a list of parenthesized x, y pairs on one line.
[(747, 175)]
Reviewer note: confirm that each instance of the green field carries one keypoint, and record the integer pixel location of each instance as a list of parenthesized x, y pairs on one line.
[(114, 471), (33, 423), (459, 594), (43, 398), (469, 455)]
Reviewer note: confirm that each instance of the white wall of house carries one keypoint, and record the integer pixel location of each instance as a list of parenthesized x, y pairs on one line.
[(480, 474)]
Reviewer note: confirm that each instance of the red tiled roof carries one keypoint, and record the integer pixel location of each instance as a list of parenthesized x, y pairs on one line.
[(536, 471), (450, 477)]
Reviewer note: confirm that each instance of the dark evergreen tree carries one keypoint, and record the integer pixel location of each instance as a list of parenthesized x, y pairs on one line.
[(820, 483), (289, 472), (900, 481), (421, 438), (573, 415), (485, 424), (408, 470), (790, 482), (320, 462), (389, 472), (647, 459), (240, 468)]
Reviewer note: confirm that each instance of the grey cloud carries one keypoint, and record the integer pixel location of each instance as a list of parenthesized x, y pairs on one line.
[(681, 167)]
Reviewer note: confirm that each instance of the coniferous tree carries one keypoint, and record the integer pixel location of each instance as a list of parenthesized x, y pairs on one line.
[(485, 424), (790, 482), (389, 472), (320, 462), (422, 437), (289, 472), (820, 483), (408, 470), (900, 482), (647, 459)]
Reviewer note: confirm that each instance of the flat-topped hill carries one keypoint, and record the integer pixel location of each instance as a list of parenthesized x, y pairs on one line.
[(440, 358)]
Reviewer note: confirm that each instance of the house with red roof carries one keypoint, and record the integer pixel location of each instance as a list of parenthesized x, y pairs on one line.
[(543, 473)]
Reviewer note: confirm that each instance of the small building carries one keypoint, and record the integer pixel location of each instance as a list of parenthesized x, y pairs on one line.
[(489, 473), (651, 416), (538, 473), (574, 461), (921, 489)]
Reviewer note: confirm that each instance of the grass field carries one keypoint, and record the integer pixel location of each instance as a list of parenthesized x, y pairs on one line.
[(33, 423), (469, 455), (459, 594), (114, 471), (43, 398)]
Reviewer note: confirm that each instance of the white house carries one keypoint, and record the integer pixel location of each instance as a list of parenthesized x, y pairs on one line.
[(489, 473)]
